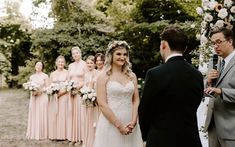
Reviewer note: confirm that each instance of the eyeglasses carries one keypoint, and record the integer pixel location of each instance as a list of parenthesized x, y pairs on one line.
[(217, 42)]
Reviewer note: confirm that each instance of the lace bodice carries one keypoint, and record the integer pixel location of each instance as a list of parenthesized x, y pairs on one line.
[(119, 95)]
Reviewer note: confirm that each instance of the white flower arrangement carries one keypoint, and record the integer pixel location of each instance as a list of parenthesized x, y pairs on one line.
[(88, 96), (53, 88), (70, 85), (215, 14), (31, 86)]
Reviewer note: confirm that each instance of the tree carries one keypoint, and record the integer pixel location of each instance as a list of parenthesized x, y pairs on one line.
[(147, 21), (15, 41), (73, 27)]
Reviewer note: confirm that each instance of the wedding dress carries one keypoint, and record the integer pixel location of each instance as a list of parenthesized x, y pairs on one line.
[(119, 98)]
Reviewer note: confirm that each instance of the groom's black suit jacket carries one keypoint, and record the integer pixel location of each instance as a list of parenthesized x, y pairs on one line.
[(167, 111)]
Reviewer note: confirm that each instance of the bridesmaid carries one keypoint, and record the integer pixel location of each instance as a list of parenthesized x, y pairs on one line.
[(38, 106), (58, 104), (99, 61), (92, 113), (77, 71)]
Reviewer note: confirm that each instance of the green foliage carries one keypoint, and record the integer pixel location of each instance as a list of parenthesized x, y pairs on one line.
[(144, 39), (118, 12), (79, 28), (15, 44), (189, 6), (157, 10), (25, 71), (103, 5), (138, 22)]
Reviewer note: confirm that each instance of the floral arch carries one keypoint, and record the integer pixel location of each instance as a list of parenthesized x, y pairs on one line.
[(215, 14)]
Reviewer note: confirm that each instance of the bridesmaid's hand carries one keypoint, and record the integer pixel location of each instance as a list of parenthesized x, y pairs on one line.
[(61, 93), (36, 93)]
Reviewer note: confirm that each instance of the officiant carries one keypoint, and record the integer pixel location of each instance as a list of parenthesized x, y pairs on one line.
[(220, 120)]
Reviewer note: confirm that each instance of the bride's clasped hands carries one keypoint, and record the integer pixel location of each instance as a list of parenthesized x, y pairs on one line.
[(126, 129)]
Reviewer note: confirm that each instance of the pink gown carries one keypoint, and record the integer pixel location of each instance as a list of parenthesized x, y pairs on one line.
[(58, 111), (77, 72), (92, 115), (38, 107)]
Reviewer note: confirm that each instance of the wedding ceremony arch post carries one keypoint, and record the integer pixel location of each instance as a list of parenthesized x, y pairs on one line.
[(215, 14)]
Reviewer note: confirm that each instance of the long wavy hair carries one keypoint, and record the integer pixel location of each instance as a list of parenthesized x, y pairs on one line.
[(112, 47)]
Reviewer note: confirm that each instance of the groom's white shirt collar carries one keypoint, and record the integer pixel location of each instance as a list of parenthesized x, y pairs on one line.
[(173, 55)]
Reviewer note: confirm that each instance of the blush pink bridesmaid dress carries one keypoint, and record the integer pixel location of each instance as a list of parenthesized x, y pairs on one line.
[(77, 72), (38, 110)]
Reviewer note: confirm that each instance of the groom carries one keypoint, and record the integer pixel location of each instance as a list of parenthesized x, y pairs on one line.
[(171, 96)]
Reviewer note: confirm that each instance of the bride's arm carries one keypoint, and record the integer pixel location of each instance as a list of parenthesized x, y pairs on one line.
[(135, 104), (105, 109)]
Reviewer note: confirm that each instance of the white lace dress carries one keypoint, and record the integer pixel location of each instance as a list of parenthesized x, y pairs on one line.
[(120, 101)]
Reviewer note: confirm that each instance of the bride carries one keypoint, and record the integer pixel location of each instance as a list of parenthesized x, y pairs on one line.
[(118, 100)]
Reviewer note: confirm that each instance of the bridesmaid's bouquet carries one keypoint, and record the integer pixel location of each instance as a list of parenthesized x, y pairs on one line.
[(31, 86), (53, 88), (70, 85), (88, 96)]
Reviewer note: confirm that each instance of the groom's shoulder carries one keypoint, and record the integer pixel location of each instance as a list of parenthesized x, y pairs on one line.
[(157, 69)]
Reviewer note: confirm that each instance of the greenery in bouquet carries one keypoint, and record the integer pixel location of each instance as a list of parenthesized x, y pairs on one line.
[(31, 86), (88, 96), (215, 14)]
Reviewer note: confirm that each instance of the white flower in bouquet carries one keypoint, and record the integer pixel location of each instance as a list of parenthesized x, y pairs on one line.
[(49, 91), (93, 99), (53, 88), (88, 96), (70, 85), (32, 86), (62, 85), (84, 97)]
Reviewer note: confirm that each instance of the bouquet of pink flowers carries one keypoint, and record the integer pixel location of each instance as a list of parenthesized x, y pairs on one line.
[(88, 96), (32, 86)]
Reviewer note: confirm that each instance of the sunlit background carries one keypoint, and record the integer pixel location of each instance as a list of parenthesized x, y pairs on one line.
[(36, 16)]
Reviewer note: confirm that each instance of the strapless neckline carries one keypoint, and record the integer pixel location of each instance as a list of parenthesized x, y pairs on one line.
[(123, 85)]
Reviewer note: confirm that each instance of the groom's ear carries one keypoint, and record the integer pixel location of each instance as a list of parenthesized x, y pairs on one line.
[(164, 44)]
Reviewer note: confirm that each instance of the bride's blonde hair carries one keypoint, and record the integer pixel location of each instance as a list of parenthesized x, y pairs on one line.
[(112, 47)]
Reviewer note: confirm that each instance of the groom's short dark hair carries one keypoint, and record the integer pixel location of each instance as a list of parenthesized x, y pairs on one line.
[(176, 38)]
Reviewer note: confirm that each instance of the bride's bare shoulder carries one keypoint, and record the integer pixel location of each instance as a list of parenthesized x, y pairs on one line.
[(103, 77)]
